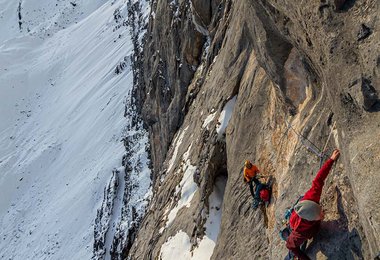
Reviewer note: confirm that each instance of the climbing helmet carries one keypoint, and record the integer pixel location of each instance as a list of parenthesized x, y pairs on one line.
[(248, 164)]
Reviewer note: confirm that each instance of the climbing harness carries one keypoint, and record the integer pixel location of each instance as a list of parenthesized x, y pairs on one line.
[(263, 192), (286, 230)]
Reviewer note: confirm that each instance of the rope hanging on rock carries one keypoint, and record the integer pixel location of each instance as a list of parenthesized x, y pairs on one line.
[(306, 142), (324, 147), (321, 153)]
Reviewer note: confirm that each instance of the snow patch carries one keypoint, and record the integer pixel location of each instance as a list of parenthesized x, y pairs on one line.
[(209, 119), (187, 188), (206, 246), (177, 247), (177, 142), (225, 116)]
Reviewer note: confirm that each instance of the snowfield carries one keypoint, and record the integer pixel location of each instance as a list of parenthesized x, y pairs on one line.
[(61, 124), (179, 246)]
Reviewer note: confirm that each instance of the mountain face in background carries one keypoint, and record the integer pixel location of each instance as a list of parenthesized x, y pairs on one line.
[(124, 126), (74, 164)]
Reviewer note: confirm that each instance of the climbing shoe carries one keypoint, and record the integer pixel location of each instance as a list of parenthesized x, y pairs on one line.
[(289, 256), (255, 204)]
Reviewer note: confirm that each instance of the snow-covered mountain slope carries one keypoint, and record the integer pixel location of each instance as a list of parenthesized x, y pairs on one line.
[(42, 18), (62, 124)]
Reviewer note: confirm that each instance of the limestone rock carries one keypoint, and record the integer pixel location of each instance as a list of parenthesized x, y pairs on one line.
[(287, 64)]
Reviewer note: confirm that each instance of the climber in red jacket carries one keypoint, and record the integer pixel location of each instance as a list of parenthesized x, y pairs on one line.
[(307, 214)]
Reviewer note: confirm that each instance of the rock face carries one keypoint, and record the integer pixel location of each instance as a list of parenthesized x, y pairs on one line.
[(281, 68)]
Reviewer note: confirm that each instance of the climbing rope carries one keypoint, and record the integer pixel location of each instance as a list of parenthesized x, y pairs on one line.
[(321, 153), (306, 142), (325, 146)]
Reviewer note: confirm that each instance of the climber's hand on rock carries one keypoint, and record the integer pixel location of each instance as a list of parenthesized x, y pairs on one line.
[(335, 155)]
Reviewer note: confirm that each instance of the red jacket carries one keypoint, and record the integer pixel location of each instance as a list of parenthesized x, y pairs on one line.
[(303, 229)]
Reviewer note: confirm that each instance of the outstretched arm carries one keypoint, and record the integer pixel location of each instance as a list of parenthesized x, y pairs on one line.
[(314, 193)]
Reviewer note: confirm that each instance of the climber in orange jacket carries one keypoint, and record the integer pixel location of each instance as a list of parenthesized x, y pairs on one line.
[(250, 171), (306, 217), (262, 191)]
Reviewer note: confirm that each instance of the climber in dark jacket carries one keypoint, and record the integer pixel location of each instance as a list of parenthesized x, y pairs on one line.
[(306, 217)]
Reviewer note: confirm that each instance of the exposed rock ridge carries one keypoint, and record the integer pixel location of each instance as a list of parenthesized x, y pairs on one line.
[(103, 217), (310, 68), (127, 194), (172, 53)]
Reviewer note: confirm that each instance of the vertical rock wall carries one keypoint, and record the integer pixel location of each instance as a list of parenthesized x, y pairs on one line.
[(313, 66), (171, 55)]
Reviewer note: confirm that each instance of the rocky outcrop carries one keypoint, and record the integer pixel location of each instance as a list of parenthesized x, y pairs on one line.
[(129, 190), (103, 216), (19, 9), (309, 69), (171, 53)]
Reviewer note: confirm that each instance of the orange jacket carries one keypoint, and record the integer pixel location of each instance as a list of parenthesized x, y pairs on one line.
[(249, 174)]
